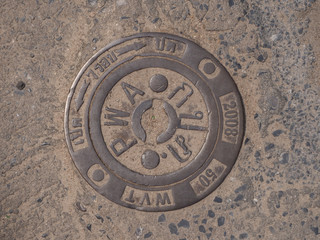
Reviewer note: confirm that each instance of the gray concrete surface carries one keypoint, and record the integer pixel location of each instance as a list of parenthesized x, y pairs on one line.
[(271, 48)]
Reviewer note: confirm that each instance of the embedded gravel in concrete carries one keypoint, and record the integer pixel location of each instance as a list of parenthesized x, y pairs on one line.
[(270, 48)]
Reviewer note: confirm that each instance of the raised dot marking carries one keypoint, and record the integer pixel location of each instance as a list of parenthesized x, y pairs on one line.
[(150, 159), (158, 83), (98, 175), (209, 68)]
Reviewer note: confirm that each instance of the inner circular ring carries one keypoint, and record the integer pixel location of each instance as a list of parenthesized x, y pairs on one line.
[(95, 123)]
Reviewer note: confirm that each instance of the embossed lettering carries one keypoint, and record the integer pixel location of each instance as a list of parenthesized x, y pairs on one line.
[(112, 57), (198, 116), (163, 199), (202, 183), (185, 98), (114, 119), (130, 198), (75, 134), (102, 65), (160, 43), (92, 73), (126, 87), (145, 198), (124, 147), (186, 152), (230, 118), (165, 44), (171, 46), (76, 122)]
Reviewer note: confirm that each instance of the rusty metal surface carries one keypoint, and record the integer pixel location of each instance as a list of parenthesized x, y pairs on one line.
[(154, 122)]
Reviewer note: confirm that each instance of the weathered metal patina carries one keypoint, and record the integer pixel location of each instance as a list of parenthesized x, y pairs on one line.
[(154, 122)]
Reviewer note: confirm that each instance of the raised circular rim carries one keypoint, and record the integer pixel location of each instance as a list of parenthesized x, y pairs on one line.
[(179, 191)]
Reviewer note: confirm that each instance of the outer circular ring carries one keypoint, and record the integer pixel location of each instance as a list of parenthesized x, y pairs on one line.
[(216, 162)]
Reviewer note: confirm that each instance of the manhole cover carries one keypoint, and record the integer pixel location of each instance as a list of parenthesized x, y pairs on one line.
[(154, 122)]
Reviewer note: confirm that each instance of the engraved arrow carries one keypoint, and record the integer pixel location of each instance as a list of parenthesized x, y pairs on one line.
[(135, 46), (79, 99)]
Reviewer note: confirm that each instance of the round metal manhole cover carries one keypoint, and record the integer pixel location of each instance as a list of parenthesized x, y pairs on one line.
[(154, 122)]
